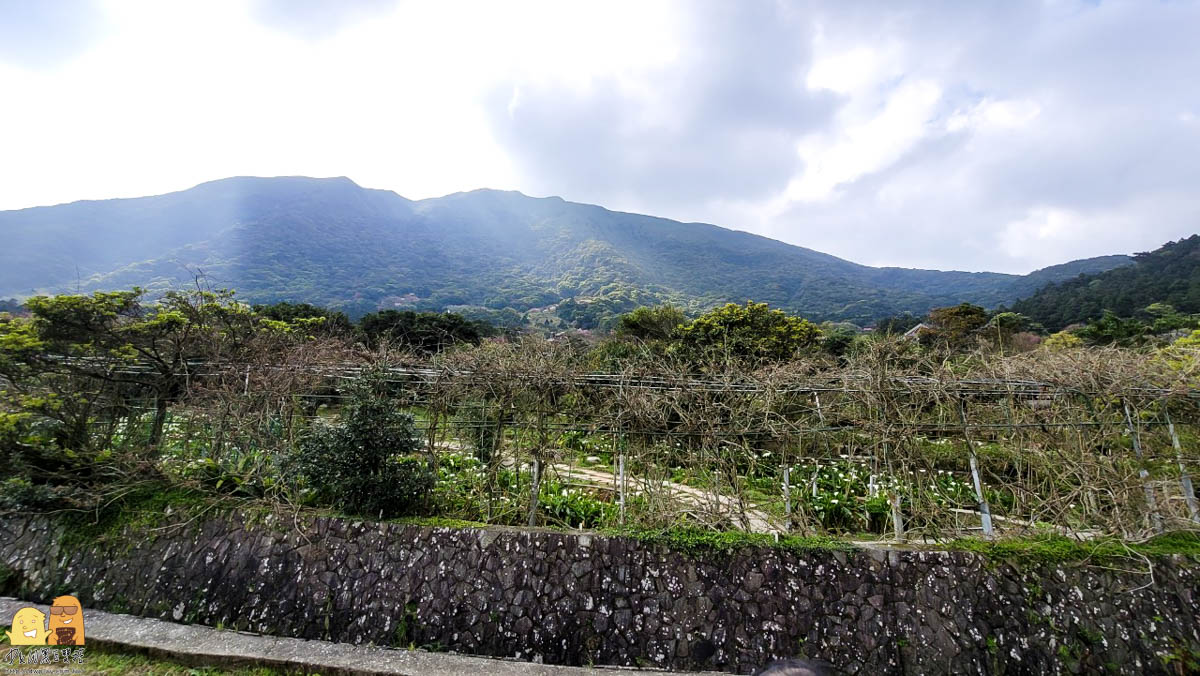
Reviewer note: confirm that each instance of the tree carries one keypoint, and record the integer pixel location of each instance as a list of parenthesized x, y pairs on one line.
[(423, 332), (954, 326), (1063, 340), (752, 332), (651, 323), (363, 464), (1167, 319), (111, 349), (1111, 329), (316, 320)]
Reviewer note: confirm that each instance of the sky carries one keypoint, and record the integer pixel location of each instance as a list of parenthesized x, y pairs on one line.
[(1003, 136)]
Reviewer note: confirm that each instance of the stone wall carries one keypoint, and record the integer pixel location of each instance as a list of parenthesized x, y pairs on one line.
[(586, 599)]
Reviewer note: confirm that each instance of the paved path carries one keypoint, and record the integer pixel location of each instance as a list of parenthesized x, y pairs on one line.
[(204, 646)]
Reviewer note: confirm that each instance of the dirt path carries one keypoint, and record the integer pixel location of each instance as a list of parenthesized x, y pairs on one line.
[(755, 521)]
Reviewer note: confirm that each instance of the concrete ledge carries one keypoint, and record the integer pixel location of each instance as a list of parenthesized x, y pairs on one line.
[(198, 645)]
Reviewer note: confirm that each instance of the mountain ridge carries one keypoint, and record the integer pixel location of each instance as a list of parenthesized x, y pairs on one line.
[(333, 242)]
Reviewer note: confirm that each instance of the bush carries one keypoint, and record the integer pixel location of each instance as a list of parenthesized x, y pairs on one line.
[(19, 494), (359, 466)]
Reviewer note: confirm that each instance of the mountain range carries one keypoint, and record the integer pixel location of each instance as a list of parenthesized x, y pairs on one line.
[(333, 243)]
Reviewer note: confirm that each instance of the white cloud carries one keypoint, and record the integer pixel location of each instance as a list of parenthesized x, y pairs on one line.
[(847, 72), (862, 146), (991, 115)]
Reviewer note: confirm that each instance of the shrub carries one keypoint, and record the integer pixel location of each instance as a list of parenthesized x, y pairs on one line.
[(359, 466)]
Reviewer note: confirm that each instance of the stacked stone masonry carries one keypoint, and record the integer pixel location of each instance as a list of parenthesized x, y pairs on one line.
[(588, 599)]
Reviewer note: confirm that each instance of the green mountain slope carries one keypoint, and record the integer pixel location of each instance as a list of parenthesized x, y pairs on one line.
[(1169, 274), (331, 242)]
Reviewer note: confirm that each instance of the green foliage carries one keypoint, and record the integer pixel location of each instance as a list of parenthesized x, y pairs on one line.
[(1169, 275), (605, 308), (574, 508), (699, 542), (104, 660), (896, 325), (19, 493), (1055, 549), (140, 506), (651, 323), (954, 327), (845, 501), (422, 332), (1063, 340), (836, 339), (1111, 329), (309, 318), (752, 331), (359, 466)]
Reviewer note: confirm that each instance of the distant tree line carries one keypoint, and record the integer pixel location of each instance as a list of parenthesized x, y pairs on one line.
[(1169, 275)]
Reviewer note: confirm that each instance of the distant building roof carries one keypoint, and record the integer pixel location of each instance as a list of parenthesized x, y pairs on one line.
[(916, 330)]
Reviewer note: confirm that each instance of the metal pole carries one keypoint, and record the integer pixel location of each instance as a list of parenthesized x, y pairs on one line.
[(787, 493), (1151, 502), (621, 484), (985, 512), (1189, 493), (897, 517), (894, 500)]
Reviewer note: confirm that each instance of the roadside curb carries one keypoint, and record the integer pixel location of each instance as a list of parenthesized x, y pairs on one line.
[(198, 645)]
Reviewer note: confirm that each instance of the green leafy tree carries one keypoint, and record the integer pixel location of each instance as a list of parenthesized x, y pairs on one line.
[(93, 356), (315, 320), (1063, 340), (651, 323), (956, 326), (752, 331), (1113, 330), (423, 332), (1166, 319), (364, 464), (76, 374)]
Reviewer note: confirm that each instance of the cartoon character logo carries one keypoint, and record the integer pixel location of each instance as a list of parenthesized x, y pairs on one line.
[(28, 627), (66, 622)]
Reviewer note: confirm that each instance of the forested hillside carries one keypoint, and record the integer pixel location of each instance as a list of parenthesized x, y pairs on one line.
[(1170, 274), (487, 254)]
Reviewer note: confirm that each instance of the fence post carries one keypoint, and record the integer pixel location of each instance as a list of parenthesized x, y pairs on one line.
[(894, 500), (985, 511), (787, 493), (535, 488), (621, 484), (1189, 493), (1151, 502), (897, 517)]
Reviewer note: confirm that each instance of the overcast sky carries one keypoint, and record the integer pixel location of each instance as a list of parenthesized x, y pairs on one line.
[(961, 135)]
